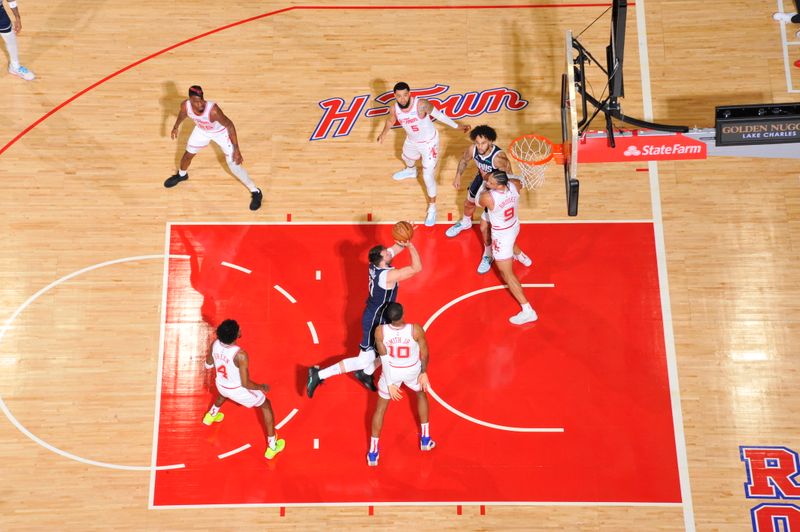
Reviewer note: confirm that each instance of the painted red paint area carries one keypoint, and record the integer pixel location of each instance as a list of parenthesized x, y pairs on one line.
[(594, 364)]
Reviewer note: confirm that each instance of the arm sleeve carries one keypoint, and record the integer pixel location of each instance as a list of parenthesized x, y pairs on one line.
[(443, 118)]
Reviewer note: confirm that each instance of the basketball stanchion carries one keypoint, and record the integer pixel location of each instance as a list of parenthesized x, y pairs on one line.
[(533, 152)]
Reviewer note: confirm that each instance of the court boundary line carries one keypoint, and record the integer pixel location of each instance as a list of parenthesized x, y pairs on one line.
[(663, 285), (787, 67), (425, 503), (365, 222)]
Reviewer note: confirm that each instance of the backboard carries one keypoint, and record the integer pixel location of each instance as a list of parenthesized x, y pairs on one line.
[(569, 127)]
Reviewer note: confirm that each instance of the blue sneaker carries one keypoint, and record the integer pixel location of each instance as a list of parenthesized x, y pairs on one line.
[(426, 443), (485, 265), (372, 458)]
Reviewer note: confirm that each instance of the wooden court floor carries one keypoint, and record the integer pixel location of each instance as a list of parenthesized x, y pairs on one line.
[(78, 366)]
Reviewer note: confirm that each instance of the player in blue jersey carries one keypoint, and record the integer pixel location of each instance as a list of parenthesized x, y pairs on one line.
[(488, 157), (383, 285), (9, 31)]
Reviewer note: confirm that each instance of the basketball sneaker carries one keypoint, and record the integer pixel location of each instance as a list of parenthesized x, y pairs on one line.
[(485, 265), (426, 443), (430, 218), (255, 200), (524, 317), (313, 381), (175, 179), (372, 458), (523, 259), (208, 419), (269, 454), (21, 72), (456, 228), (408, 173), (783, 17), (366, 380)]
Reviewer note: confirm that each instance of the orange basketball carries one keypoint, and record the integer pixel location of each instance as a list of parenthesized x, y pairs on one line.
[(402, 231)]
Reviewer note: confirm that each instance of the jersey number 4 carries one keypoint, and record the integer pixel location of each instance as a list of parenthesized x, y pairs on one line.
[(223, 371), (399, 351)]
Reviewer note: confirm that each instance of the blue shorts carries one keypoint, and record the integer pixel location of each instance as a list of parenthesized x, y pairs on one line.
[(5, 22), (369, 322)]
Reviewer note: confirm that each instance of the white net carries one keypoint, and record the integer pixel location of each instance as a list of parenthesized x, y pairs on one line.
[(532, 152)]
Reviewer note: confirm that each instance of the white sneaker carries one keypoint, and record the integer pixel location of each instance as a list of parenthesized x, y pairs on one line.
[(458, 227), (524, 317), (408, 173), (783, 17), (430, 218), (523, 259), (21, 72), (485, 265)]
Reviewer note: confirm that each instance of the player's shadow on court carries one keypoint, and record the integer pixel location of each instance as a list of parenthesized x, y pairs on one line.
[(353, 255)]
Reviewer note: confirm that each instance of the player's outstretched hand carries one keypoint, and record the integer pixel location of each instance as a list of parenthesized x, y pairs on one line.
[(424, 381), (457, 182), (174, 134), (380, 138), (394, 392), (265, 388)]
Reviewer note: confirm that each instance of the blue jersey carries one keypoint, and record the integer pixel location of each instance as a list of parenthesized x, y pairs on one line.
[(486, 163), (377, 299)]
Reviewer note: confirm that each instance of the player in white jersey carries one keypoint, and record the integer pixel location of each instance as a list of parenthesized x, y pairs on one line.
[(501, 198), (404, 357), (9, 31), (211, 124), (488, 157), (422, 140), (230, 364)]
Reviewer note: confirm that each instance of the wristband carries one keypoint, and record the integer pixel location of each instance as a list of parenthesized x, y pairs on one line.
[(12, 5), (207, 365)]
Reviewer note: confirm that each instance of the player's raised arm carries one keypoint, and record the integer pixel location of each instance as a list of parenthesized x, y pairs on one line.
[(181, 117), (242, 363), (426, 107), (401, 274), (390, 121)]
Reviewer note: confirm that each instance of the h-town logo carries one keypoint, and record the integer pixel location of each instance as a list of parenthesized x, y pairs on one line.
[(339, 118)]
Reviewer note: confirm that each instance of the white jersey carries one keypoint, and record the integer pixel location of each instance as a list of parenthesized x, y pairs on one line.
[(400, 345), (228, 375), (506, 204), (203, 121), (418, 129)]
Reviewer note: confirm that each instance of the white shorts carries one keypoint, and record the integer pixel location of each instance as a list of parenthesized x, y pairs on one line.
[(503, 242), (400, 376), (243, 396), (427, 151), (199, 139)]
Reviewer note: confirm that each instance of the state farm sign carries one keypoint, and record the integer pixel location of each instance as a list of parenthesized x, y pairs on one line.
[(635, 146)]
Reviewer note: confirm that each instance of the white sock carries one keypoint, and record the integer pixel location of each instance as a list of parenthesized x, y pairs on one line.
[(214, 410), (181, 173), (431, 207), (466, 220), (242, 175), (373, 444), (11, 46), (271, 441), (527, 307), (424, 428), (330, 371)]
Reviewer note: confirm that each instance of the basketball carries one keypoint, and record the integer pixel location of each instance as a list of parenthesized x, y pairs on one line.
[(402, 231)]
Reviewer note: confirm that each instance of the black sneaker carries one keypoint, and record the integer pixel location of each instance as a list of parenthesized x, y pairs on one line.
[(366, 380), (313, 381), (174, 180), (255, 202)]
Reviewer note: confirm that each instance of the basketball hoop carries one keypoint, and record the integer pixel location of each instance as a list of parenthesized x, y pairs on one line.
[(532, 152)]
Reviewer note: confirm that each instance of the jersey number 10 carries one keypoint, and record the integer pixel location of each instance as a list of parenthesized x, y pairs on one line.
[(399, 351)]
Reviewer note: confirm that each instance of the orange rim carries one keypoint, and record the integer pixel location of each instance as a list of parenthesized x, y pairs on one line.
[(535, 163)]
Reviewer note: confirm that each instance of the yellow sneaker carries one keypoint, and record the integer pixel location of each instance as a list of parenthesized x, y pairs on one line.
[(269, 454), (209, 419)]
